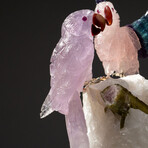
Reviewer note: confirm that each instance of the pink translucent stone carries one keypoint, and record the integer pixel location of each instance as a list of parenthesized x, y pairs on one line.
[(71, 66), (117, 46)]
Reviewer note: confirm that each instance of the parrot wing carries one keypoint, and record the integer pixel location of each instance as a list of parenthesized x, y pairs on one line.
[(71, 62), (69, 69), (140, 27)]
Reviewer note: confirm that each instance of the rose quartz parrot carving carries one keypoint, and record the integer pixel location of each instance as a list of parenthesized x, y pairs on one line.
[(71, 66), (117, 47)]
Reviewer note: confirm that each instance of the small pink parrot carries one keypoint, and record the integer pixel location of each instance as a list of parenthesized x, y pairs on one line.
[(117, 47)]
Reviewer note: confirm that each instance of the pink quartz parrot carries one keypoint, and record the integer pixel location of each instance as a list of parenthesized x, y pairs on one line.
[(71, 66), (117, 47)]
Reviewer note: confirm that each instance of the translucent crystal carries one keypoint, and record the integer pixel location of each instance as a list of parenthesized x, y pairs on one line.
[(104, 129), (71, 62), (117, 47), (71, 66)]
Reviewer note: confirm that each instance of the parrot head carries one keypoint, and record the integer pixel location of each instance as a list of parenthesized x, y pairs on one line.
[(78, 23), (105, 16)]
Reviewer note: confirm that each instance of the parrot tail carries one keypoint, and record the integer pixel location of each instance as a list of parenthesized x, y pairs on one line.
[(75, 124), (140, 26), (46, 109)]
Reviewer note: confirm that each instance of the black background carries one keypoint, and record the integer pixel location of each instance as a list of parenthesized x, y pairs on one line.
[(28, 34)]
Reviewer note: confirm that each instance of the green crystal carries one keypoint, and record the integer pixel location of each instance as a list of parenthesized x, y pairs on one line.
[(119, 100)]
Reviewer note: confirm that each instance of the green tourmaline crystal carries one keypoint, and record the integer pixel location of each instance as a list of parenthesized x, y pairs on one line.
[(119, 100)]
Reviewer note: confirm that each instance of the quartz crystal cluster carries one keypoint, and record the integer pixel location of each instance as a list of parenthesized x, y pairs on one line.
[(104, 128)]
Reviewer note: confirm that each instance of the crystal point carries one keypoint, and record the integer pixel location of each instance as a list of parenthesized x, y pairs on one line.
[(104, 127)]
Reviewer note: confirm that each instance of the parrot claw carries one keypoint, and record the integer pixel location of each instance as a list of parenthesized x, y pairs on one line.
[(116, 75), (93, 81)]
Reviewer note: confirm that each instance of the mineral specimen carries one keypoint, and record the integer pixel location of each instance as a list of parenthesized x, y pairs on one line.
[(119, 100), (71, 62), (104, 128), (71, 66), (117, 47)]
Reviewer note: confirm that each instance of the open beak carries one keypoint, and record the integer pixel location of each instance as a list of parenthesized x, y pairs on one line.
[(98, 24), (108, 16), (99, 21)]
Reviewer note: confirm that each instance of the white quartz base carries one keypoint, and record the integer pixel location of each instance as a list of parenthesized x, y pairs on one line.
[(104, 129)]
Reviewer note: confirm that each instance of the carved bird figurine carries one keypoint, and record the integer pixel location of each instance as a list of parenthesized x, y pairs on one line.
[(118, 47)]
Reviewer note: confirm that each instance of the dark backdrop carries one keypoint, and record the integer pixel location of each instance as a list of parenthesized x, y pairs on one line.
[(28, 34)]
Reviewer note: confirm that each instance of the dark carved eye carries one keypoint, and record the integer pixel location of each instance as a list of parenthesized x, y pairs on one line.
[(84, 18)]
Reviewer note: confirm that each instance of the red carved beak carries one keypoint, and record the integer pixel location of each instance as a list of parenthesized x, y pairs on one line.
[(98, 24), (99, 21), (108, 16)]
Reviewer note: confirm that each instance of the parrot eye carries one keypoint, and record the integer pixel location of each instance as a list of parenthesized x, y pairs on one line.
[(84, 18), (113, 9), (98, 11)]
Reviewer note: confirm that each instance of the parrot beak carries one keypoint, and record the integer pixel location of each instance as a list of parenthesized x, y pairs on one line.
[(98, 24), (99, 21), (108, 16)]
